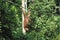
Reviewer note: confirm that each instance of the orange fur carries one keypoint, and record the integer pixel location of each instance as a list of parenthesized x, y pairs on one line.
[(26, 20)]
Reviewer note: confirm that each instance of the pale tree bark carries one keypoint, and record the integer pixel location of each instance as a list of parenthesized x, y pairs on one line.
[(24, 10)]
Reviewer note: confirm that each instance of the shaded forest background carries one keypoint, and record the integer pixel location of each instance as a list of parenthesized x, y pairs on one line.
[(44, 24)]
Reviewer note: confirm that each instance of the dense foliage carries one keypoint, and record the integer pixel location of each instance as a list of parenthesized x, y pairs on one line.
[(44, 24)]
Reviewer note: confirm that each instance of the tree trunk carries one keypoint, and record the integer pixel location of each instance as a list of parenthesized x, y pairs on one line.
[(24, 10)]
